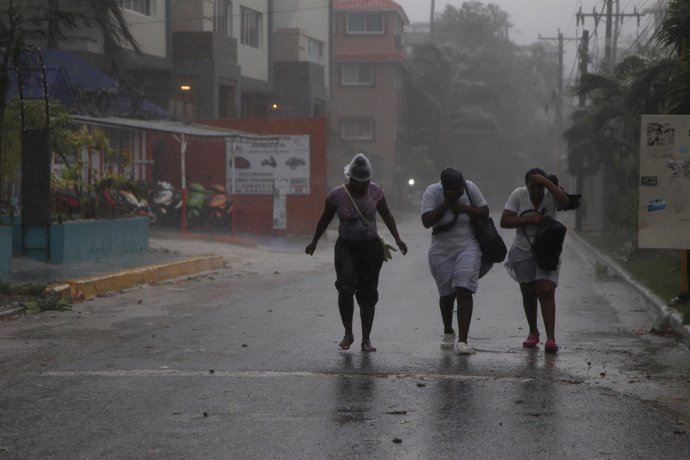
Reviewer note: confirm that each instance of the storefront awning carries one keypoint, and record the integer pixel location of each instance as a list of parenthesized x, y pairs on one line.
[(172, 127)]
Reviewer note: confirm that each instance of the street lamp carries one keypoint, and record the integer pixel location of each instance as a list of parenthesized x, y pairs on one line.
[(410, 182)]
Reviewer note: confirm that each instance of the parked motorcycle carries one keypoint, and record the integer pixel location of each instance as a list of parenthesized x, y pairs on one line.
[(67, 204), (219, 209), (136, 206), (196, 205), (166, 203)]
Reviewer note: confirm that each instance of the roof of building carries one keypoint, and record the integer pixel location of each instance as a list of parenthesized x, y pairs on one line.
[(166, 126), (370, 5)]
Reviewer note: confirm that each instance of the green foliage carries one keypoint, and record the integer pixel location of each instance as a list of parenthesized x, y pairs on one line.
[(34, 116), (51, 303), (478, 101)]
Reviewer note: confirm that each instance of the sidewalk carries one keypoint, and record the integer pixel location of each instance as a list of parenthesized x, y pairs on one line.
[(667, 316), (171, 255), (86, 280)]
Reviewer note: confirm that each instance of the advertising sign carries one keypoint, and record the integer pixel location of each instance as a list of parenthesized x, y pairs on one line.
[(258, 163), (664, 206)]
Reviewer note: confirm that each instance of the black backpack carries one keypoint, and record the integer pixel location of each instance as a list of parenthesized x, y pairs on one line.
[(548, 242)]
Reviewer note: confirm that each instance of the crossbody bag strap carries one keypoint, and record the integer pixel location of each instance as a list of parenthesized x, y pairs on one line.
[(358, 211), (469, 197), (522, 227), (448, 225)]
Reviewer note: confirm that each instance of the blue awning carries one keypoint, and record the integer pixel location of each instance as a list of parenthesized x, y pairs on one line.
[(81, 87)]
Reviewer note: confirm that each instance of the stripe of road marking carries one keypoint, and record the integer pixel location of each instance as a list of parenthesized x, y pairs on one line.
[(272, 374)]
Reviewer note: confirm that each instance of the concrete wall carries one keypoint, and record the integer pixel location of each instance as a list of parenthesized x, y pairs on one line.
[(254, 61), (85, 240), (254, 213), (5, 248), (148, 31), (313, 22)]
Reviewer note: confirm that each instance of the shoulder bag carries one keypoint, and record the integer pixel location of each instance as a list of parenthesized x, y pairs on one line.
[(490, 242), (384, 245), (548, 242)]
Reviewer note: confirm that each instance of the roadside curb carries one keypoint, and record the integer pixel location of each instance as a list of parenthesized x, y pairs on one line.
[(88, 288), (220, 238), (667, 316), (11, 312)]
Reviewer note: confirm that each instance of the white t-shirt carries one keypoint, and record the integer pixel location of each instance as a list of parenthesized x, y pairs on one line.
[(461, 235), (519, 202)]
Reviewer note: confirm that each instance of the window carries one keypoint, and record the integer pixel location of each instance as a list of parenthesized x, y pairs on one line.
[(358, 74), (223, 17), (139, 6), (365, 23), (250, 22), (357, 128), (315, 51)]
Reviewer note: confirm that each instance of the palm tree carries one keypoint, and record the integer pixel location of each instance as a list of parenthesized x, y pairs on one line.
[(605, 135), (441, 118), (674, 35), (25, 24)]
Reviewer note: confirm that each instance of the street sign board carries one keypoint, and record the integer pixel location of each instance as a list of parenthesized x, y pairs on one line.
[(257, 163), (664, 184)]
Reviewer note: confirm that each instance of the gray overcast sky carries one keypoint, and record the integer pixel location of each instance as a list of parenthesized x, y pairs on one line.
[(530, 18), (533, 17)]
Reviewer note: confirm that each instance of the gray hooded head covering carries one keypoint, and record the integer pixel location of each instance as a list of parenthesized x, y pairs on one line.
[(359, 169)]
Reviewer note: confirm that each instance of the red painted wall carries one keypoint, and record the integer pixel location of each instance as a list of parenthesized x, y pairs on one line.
[(253, 213)]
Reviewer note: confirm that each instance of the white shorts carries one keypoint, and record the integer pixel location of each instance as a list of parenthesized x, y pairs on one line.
[(523, 269), (460, 269)]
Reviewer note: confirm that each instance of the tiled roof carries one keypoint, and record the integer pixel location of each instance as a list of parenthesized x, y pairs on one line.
[(370, 5)]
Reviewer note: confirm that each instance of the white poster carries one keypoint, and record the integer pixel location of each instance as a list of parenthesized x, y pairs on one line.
[(258, 163), (664, 206), (280, 189)]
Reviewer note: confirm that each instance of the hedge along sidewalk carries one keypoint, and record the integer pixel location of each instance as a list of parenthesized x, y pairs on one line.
[(667, 317)]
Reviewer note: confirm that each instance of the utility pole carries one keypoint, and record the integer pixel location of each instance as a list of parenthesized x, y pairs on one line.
[(584, 59), (559, 85), (431, 19), (608, 48), (610, 16)]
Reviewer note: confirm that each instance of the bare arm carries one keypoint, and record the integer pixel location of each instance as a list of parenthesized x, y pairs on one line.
[(450, 202), (510, 219), (382, 208), (557, 192), (325, 219)]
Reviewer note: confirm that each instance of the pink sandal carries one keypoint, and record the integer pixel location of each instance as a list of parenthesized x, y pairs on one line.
[(531, 342), (551, 347)]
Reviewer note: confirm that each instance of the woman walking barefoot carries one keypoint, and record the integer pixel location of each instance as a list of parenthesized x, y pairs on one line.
[(358, 253)]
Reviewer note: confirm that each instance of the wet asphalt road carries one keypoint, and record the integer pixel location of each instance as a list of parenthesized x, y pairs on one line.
[(260, 376)]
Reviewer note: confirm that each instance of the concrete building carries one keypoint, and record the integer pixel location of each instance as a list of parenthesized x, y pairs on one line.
[(367, 105), (301, 57), (221, 58)]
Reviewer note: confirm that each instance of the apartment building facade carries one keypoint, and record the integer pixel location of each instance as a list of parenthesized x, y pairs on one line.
[(215, 59), (249, 58), (367, 104)]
